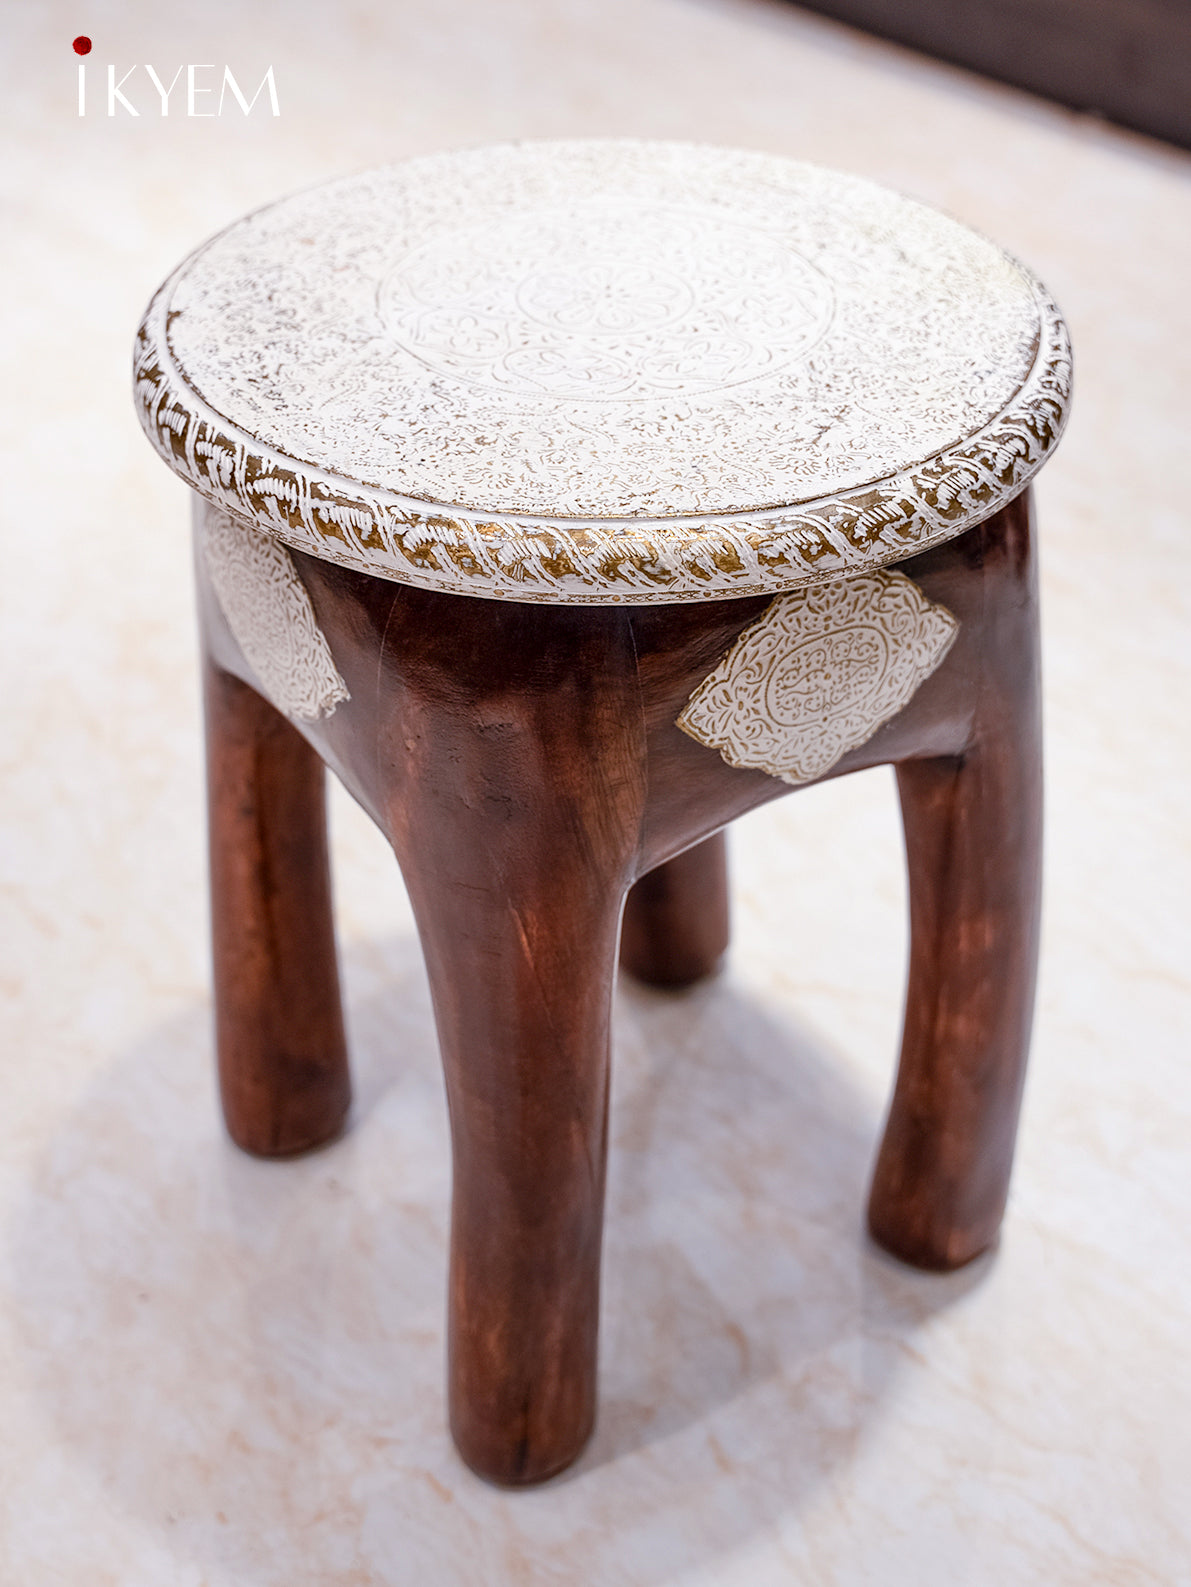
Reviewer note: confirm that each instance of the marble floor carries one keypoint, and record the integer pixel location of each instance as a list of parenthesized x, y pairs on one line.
[(221, 1372)]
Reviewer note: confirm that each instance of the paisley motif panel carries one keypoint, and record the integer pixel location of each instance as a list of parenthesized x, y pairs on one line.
[(604, 371), (269, 613), (818, 674)]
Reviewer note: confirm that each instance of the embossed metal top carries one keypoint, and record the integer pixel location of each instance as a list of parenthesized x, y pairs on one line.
[(603, 371)]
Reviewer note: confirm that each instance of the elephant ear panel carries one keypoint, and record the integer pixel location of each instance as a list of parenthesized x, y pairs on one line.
[(271, 618), (819, 672)]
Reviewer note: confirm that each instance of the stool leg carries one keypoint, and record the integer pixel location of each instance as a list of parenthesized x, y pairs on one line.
[(283, 1068), (973, 829), (521, 964), (675, 928), (515, 809)]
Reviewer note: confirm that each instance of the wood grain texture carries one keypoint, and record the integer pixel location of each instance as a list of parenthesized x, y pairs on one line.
[(515, 789), (525, 764), (973, 825), (283, 1069), (675, 929)]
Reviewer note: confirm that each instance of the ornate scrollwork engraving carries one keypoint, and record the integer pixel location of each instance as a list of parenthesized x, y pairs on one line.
[(818, 674), (611, 301), (604, 371), (269, 613)]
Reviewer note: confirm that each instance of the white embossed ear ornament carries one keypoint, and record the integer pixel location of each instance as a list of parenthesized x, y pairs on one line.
[(818, 673), (269, 613)]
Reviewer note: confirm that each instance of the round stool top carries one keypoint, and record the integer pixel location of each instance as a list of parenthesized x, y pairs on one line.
[(603, 371)]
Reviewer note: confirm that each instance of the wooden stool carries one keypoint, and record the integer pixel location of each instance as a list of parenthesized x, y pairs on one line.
[(569, 500)]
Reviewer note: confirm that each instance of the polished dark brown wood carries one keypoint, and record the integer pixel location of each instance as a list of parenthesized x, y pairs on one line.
[(516, 781), (675, 928), (283, 1070), (973, 825), (524, 762)]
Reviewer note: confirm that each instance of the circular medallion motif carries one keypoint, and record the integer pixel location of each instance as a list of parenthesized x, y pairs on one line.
[(853, 658), (626, 301)]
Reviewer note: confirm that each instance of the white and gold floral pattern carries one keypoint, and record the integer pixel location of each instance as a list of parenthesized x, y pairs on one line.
[(604, 371), (270, 616), (819, 672)]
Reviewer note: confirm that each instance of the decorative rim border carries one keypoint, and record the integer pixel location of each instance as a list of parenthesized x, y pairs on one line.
[(569, 561)]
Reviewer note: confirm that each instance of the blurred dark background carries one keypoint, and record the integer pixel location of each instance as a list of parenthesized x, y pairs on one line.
[(1127, 60)]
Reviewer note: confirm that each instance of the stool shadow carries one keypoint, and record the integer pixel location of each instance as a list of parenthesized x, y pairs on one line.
[(736, 1252), (247, 1356)]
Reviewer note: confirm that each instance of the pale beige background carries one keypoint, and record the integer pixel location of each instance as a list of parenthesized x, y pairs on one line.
[(216, 1371)]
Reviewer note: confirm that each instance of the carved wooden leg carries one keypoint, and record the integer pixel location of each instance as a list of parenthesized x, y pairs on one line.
[(521, 956), (513, 749), (283, 1068), (675, 928), (973, 842)]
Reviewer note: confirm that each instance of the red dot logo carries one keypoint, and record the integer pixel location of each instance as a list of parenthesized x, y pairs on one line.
[(82, 45)]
